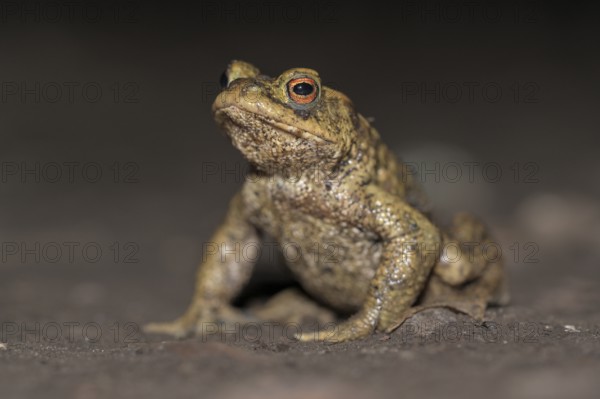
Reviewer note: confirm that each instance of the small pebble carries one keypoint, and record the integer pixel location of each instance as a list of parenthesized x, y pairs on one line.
[(2, 346), (571, 328)]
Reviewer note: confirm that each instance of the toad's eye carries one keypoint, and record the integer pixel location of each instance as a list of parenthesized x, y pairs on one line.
[(302, 90)]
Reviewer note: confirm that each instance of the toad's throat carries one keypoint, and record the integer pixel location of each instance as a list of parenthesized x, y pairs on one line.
[(234, 116)]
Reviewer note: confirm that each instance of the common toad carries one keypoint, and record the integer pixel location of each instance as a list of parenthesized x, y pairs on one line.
[(322, 178)]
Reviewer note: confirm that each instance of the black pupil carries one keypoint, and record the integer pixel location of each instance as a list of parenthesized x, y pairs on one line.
[(224, 80), (303, 89)]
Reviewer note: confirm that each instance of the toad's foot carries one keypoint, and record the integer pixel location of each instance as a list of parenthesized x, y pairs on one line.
[(200, 323), (357, 327), (475, 310), (177, 328), (471, 299)]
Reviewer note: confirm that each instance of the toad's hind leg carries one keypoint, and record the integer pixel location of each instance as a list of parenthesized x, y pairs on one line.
[(470, 274), (292, 306)]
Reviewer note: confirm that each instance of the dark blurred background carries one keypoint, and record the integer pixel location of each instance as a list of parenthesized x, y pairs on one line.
[(108, 147)]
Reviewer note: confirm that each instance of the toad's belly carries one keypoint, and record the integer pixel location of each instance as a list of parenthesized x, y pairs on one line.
[(334, 263)]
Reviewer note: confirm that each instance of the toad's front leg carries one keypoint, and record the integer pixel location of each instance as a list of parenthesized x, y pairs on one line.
[(226, 269), (411, 246)]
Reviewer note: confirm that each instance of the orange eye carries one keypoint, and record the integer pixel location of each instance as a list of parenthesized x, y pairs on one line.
[(302, 90)]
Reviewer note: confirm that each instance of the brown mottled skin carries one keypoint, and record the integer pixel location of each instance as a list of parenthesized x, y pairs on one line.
[(324, 181)]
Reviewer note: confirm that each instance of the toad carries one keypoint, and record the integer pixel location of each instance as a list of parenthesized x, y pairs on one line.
[(323, 180)]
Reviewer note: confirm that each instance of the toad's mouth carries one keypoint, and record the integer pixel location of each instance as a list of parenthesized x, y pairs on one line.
[(241, 119)]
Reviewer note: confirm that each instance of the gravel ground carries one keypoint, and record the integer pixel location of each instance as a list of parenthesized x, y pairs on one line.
[(78, 337)]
